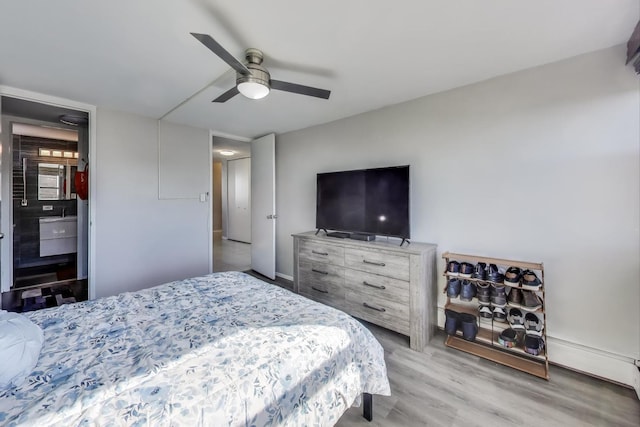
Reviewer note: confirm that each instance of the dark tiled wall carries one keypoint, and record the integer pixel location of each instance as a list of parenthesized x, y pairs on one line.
[(26, 236)]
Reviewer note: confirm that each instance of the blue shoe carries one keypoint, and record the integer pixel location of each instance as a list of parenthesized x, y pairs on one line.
[(469, 325), (453, 268), (468, 290), (453, 288), (451, 322)]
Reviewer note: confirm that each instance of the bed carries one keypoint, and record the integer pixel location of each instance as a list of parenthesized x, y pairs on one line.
[(224, 349)]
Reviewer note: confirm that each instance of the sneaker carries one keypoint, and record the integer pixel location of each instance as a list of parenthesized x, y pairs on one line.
[(530, 280), (484, 311), (533, 345), (499, 315), (532, 324), (469, 325), (480, 271), (508, 338), (466, 269), (453, 268), (453, 288), (515, 297), (498, 295), (483, 292), (515, 319), (451, 322), (512, 276), (494, 274), (468, 290), (530, 301)]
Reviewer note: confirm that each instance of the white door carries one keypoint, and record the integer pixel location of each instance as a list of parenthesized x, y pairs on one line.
[(239, 200), (263, 205)]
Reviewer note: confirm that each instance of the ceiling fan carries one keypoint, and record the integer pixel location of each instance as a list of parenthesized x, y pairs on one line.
[(252, 79)]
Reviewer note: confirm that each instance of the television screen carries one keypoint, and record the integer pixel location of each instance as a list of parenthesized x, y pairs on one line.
[(374, 201)]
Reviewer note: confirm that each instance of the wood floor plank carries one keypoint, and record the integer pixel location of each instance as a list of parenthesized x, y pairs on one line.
[(445, 387)]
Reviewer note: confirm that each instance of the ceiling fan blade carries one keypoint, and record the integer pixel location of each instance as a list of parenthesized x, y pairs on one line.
[(215, 47), (300, 89), (227, 95)]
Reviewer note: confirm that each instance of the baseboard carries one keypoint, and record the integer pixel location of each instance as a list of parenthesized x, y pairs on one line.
[(595, 362), (285, 276)]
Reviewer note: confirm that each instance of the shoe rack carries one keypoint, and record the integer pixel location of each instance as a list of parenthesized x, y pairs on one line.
[(486, 343)]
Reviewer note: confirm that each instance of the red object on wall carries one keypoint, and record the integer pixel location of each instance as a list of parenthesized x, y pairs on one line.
[(82, 183)]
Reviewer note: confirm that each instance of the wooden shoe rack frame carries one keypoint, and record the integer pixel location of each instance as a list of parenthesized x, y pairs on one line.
[(486, 343)]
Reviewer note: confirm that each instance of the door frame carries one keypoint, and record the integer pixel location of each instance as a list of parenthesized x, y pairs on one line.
[(91, 110)]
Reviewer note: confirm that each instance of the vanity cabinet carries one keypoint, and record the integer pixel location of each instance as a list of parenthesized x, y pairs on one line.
[(378, 281)]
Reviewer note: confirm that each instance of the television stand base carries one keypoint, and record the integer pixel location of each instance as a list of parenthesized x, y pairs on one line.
[(339, 234), (363, 236)]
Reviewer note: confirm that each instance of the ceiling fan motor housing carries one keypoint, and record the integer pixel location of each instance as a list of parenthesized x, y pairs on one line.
[(259, 74)]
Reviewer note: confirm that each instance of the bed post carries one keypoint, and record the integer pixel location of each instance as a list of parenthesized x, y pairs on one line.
[(367, 411)]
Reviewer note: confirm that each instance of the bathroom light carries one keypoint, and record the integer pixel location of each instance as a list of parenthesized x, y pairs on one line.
[(253, 90), (44, 152), (227, 152)]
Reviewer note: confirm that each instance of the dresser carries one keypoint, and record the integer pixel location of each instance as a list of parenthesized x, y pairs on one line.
[(379, 281)]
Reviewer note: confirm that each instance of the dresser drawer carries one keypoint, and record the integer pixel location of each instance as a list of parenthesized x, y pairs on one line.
[(379, 286), (388, 314), (384, 263), (321, 252), (322, 282)]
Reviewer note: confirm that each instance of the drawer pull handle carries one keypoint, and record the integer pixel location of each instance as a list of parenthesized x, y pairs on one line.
[(374, 286), (381, 310), (319, 290), (320, 253), (319, 271), (381, 264)]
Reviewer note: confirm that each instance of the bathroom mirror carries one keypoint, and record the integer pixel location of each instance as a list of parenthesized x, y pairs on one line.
[(55, 181)]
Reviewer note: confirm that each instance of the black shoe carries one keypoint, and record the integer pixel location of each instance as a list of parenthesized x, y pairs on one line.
[(532, 324), (453, 288), (530, 280), (508, 338), (466, 269), (483, 292), (494, 274), (451, 322), (499, 315), (512, 276), (498, 295), (469, 325), (453, 268), (484, 311), (480, 271), (516, 320), (468, 290), (533, 345)]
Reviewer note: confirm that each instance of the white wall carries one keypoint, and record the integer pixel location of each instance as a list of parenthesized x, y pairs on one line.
[(140, 240), (540, 165)]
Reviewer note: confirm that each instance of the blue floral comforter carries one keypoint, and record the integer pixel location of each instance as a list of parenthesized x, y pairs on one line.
[(221, 350)]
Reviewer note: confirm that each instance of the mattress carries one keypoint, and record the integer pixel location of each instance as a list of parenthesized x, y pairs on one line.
[(224, 349)]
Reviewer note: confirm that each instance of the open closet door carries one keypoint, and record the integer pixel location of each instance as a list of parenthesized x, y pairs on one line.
[(263, 205)]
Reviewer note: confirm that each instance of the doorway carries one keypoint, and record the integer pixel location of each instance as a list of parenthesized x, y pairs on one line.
[(45, 215), (231, 205)]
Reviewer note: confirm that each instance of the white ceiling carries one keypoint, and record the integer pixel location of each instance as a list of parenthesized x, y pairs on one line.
[(138, 56)]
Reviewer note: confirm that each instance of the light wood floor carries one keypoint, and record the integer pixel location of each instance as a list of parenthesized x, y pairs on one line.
[(446, 387)]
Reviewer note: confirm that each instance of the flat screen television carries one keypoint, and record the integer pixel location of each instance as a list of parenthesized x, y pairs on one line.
[(369, 201)]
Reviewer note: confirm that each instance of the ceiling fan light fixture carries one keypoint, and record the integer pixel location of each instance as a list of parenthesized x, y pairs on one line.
[(253, 90)]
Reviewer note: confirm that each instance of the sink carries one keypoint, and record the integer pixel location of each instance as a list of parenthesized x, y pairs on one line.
[(58, 235), (45, 219)]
